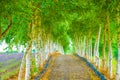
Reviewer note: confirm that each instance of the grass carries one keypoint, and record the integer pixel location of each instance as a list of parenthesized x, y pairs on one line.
[(7, 76), (105, 72), (10, 61), (1, 64), (4, 69), (114, 66)]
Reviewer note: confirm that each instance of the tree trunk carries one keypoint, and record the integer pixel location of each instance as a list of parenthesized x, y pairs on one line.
[(47, 49), (87, 49), (104, 47), (37, 55), (80, 48), (90, 49), (42, 56), (110, 48), (80, 51), (37, 60), (98, 57), (118, 64), (62, 50), (96, 49), (28, 73), (94, 60), (84, 48), (23, 61)]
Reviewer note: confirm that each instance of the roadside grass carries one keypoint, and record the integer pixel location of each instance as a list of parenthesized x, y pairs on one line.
[(105, 72)]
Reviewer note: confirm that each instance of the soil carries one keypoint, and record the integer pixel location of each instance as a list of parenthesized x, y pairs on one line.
[(69, 67)]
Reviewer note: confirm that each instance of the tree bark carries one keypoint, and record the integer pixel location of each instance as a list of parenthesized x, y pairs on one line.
[(38, 54), (94, 60), (84, 48), (42, 56), (37, 60), (110, 48), (103, 51), (90, 49), (28, 73), (23, 61), (80, 51), (47, 48), (96, 49), (87, 49), (118, 63)]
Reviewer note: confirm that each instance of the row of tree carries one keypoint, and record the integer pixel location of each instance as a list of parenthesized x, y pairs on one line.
[(45, 24)]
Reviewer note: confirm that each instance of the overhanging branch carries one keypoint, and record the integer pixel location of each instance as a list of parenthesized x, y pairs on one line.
[(8, 28)]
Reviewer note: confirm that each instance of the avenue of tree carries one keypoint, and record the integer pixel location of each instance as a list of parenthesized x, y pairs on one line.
[(91, 27)]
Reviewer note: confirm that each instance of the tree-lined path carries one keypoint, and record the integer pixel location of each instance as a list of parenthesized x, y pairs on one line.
[(38, 28), (69, 67)]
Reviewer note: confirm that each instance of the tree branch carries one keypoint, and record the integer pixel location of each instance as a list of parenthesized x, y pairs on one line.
[(8, 28)]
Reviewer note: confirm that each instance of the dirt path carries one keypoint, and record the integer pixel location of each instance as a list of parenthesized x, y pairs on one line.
[(69, 67)]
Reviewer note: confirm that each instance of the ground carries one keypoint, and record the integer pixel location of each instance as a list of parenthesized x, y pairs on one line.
[(69, 67), (9, 65)]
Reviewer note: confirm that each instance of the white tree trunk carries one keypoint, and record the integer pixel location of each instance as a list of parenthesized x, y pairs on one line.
[(87, 49), (98, 60), (37, 59), (110, 61), (47, 51), (103, 51), (96, 50), (28, 65), (118, 64), (52, 48), (110, 48), (84, 47), (63, 50), (77, 49), (90, 50), (23, 61), (80, 48), (42, 52), (41, 59)]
